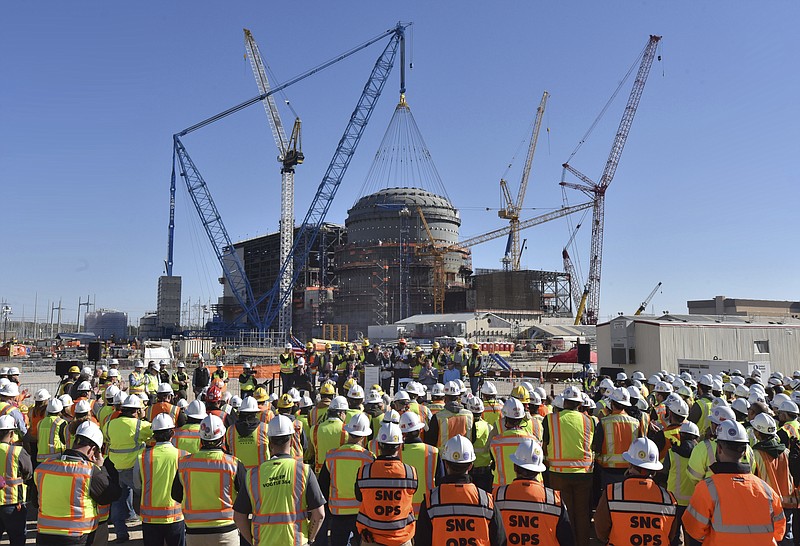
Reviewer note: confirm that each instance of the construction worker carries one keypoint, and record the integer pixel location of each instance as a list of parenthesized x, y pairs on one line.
[(459, 359), (152, 378), (676, 466), (280, 495), (532, 513), (457, 511), (326, 393), (82, 413), (287, 360), (417, 363), (437, 399), (424, 458), (453, 420), (326, 366), (213, 402), (374, 407), (247, 380), (52, 435), (338, 478), (264, 404), (438, 359), (247, 440), (187, 437), (329, 434), (164, 397), (287, 406), (677, 411), (503, 445), (71, 488), (701, 409), (17, 469), (614, 435), (201, 378), (637, 510), (790, 427), (73, 373), (733, 506), (104, 413), (492, 408), (771, 464), (386, 490), (567, 437), (180, 381), (220, 375), (416, 392), (162, 518), (206, 485), (482, 431), (401, 362), (704, 452), (475, 368), (126, 437), (355, 400), (10, 406)]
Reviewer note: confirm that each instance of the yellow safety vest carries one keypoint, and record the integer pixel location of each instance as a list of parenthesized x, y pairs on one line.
[(424, 459), (14, 490), (570, 447), (705, 411), (704, 454), (483, 431), (287, 362), (503, 447), (277, 492), (318, 414), (151, 383), (679, 482), (49, 444), (792, 428), (208, 488), (252, 449), (157, 468), (343, 465), (105, 414), (126, 437), (65, 507), (326, 436), (187, 438), (492, 412)]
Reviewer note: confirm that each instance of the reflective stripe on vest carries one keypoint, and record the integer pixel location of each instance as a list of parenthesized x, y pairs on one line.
[(343, 465), (705, 411), (570, 446), (279, 505), (792, 428), (460, 512), (679, 481), (14, 490), (208, 479), (452, 424), (619, 431), (423, 458), (156, 467), (502, 448), (720, 527), (653, 508), (374, 479), (775, 471), (65, 507), (332, 437), (252, 449)]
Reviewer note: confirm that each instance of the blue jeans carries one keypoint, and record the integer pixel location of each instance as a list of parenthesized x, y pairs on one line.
[(13, 520), (122, 508)]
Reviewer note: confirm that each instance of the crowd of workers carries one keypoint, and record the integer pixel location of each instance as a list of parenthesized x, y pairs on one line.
[(329, 460)]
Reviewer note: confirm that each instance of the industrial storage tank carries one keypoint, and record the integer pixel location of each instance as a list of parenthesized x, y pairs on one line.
[(381, 227)]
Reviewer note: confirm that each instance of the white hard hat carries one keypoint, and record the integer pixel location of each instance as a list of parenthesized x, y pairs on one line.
[(41, 395), (196, 410), (391, 416), (737, 380), (356, 392), (706, 380), (220, 364), (295, 394), (678, 383), (138, 364), (164, 388), (606, 383), (339, 403), (410, 421), (11, 389), (741, 405), (758, 387), (249, 405), (55, 406), (756, 396), (572, 393), (677, 406), (622, 376), (358, 425), (716, 385), (475, 405), (7, 423), (82, 406), (114, 362), (305, 402), (731, 431), (774, 381), (465, 398), (451, 388), (113, 372), (513, 409), (685, 391), (529, 456), (621, 396), (458, 449), (13, 370), (644, 454), (720, 414), (66, 400), (789, 407), (687, 427), (663, 387), (119, 398), (288, 346), (741, 391), (796, 374), (402, 396), (558, 401), (390, 434), (488, 389), (133, 402), (417, 388), (729, 387), (588, 403), (654, 379), (718, 401), (796, 397), (91, 432), (438, 390), (86, 370), (535, 399), (182, 403), (764, 423), (778, 400), (212, 428), (373, 397), (686, 376), (163, 421), (84, 386), (157, 366), (634, 392), (541, 392), (4, 370), (111, 392), (638, 375), (181, 365)]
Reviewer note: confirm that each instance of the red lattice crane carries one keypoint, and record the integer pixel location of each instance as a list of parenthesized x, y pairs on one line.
[(590, 302)]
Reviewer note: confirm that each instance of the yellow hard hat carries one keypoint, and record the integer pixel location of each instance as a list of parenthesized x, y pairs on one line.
[(365, 343), (475, 346), (309, 345), (377, 387), (327, 389), (435, 344), (521, 393), (327, 345), (349, 383), (74, 369), (419, 349), (459, 343), (285, 401), (260, 394)]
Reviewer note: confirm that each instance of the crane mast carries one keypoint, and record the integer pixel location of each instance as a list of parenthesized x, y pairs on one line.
[(512, 209), (647, 300), (590, 300), (288, 156)]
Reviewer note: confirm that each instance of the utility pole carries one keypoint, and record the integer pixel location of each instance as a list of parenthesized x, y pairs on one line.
[(58, 328), (84, 304), (6, 311)]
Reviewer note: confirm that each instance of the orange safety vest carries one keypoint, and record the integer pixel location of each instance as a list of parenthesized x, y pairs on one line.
[(775, 471), (570, 447), (460, 514), (530, 512), (266, 414), (661, 413), (163, 407), (641, 511), (452, 424), (671, 436), (387, 491), (344, 464), (750, 514), (619, 431), (792, 428), (208, 485)]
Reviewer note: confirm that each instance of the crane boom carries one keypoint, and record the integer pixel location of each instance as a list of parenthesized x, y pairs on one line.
[(647, 300), (591, 295), (260, 73)]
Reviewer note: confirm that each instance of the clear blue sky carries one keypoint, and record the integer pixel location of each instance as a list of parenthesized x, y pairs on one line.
[(705, 198)]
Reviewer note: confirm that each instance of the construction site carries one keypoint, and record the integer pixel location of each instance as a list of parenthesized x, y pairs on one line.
[(398, 254)]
